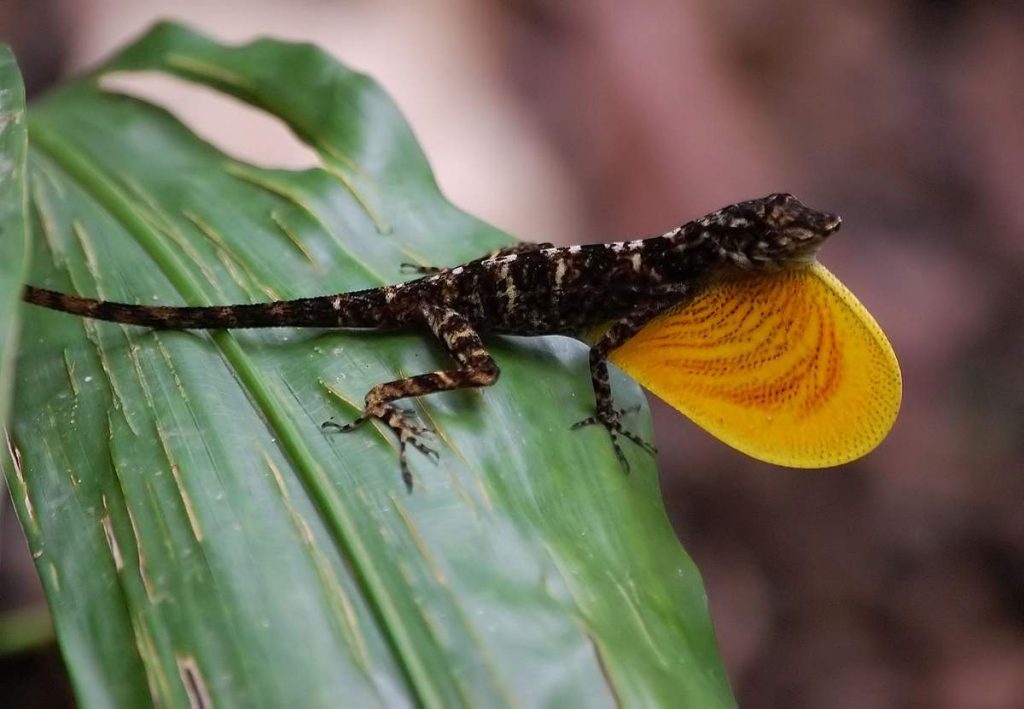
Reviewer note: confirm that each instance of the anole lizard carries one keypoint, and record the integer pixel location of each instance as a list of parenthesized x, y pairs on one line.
[(528, 289)]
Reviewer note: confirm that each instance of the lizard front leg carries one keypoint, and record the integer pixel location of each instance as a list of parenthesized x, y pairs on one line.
[(606, 414), (476, 369)]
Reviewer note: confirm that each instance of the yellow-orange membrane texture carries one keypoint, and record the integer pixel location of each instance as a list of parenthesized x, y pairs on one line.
[(788, 368)]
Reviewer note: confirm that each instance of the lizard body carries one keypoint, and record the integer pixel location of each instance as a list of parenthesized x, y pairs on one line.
[(527, 289)]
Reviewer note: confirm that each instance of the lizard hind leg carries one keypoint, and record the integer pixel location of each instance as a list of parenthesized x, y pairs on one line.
[(476, 369)]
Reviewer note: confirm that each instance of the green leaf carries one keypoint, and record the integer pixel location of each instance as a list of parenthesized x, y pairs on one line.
[(200, 538), (13, 230)]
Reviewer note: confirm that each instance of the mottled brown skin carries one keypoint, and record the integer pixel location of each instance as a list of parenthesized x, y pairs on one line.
[(528, 289)]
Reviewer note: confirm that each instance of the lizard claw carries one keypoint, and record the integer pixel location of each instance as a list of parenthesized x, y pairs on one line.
[(401, 421), (344, 428), (612, 423), (416, 268)]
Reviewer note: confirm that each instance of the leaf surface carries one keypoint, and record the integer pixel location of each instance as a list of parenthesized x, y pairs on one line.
[(13, 228)]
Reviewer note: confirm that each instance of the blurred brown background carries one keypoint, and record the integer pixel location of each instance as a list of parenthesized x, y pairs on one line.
[(896, 581)]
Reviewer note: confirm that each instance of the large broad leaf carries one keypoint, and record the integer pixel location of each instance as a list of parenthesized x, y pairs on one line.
[(201, 540)]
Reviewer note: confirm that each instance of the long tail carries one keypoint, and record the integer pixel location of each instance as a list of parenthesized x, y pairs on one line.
[(358, 309)]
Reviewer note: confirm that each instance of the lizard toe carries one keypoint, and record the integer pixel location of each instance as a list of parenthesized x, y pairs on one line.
[(611, 423)]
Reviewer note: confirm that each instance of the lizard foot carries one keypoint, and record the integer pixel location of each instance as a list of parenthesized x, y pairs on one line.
[(401, 421), (416, 268), (611, 420)]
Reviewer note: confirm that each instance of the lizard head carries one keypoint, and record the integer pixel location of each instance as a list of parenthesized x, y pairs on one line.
[(771, 233)]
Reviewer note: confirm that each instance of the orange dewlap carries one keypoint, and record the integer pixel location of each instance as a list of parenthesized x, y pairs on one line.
[(788, 368)]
